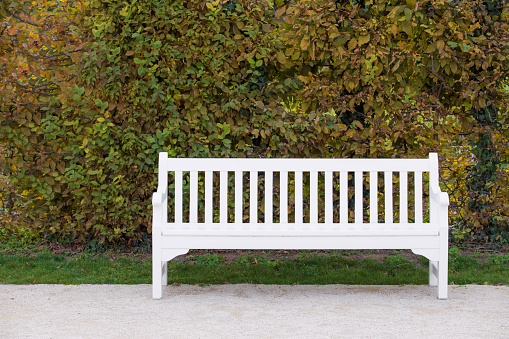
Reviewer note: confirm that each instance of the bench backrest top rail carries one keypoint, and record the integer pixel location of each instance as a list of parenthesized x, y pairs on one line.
[(302, 165)]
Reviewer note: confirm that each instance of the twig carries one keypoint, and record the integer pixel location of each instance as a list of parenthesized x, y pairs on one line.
[(21, 19)]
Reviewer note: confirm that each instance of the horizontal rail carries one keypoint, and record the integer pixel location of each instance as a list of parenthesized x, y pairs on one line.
[(300, 165), (296, 233)]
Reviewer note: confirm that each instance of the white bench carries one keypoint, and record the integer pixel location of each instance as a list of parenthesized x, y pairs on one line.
[(300, 204)]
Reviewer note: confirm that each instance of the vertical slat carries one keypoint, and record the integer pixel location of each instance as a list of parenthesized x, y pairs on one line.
[(358, 197), (193, 192), (178, 197), (298, 197), (268, 218), (253, 197), (373, 197), (388, 198), (328, 198), (403, 197), (208, 197), (283, 182), (418, 197), (238, 197), (313, 196), (223, 197), (343, 197)]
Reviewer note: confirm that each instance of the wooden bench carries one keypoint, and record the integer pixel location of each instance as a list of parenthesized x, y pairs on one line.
[(300, 204)]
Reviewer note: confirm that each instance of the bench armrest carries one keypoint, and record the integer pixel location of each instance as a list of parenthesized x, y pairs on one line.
[(159, 197), (441, 197), (159, 209)]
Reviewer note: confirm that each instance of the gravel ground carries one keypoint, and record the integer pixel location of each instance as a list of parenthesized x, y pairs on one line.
[(253, 311)]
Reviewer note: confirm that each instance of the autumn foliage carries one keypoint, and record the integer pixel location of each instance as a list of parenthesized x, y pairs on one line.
[(91, 95)]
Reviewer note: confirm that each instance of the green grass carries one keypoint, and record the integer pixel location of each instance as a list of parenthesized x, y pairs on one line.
[(335, 268)]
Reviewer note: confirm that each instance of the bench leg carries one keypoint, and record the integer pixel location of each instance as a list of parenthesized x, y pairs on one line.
[(157, 279), (433, 272), (165, 273), (443, 267)]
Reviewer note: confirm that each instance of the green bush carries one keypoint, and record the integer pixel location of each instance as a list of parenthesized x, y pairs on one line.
[(239, 78)]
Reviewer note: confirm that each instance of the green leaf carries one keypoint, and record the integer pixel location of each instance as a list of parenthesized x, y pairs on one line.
[(364, 39)]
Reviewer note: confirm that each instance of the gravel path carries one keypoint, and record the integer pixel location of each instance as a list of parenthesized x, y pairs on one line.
[(252, 311)]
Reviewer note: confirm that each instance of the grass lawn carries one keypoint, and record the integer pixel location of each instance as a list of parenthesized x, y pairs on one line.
[(41, 266)]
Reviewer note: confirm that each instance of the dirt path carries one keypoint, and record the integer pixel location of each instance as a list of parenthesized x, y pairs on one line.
[(252, 311)]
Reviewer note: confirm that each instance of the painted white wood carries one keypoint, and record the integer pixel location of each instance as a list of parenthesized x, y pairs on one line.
[(195, 230), (388, 197), (303, 165), (178, 197), (253, 197), (223, 197), (208, 198), (298, 198), (418, 196), (343, 197), (358, 197), (403, 197), (313, 206), (329, 215), (303, 243), (269, 195), (170, 239), (373, 197), (193, 190), (283, 177), (238, 197)]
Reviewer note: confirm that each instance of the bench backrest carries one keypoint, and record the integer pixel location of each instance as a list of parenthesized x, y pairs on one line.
[(321, 193)]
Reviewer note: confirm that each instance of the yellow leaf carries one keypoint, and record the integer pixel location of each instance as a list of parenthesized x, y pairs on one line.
[(352, 44), (302, 78), (440, 44), (304, 44), (454, 67), (281, 57), (100, 119), (342, 127)]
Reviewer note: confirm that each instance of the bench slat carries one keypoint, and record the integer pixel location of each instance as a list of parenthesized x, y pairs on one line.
[(178, 196), (313, 209), (343, 197), (403, 197), (193, 191), (208, 197), (298, 197), (238, 197), (269, 194), (358, 197), (418, 196), (223, 197), (329, 215), (253, 197), (388, 197), (373, 197), (283, 177)]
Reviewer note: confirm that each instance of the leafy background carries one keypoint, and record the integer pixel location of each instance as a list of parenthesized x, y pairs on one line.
[(92, 91)]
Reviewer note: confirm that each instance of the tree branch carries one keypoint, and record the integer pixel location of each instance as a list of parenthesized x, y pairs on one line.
[(21, 19)]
